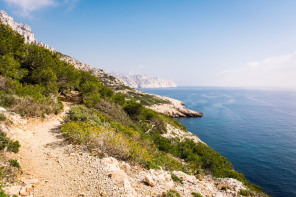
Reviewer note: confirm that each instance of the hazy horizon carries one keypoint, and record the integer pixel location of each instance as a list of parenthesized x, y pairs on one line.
[(227, 43)]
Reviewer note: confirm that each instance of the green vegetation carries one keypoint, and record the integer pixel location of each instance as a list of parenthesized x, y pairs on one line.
[(176, 178), (2, 117), (246, 193), (2, 194), (31, 80), (225, 187), (8, 173), (171, 193), (14, 163), (8, 144), (145, 99), (194, 194)]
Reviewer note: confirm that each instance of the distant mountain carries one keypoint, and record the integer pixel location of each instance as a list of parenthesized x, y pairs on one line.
[(144, 81)]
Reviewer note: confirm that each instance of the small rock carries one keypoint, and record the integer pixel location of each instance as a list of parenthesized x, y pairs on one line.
[(103, 193), (118, 175), (23, 191), (2, 109), (13, 190), (126, 167), (33, 182), (29, 188), (149, 180), (219, 194)]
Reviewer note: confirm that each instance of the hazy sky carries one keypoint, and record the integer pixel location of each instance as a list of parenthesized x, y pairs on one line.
[(250, 43)]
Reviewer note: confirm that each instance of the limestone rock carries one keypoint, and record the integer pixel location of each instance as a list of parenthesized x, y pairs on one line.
[(118, 175), (149, 180), (235, 184), (174, 108), (12, 190), (33, 182), (22, 29), (144, 81), (23, 191), (125, 166)]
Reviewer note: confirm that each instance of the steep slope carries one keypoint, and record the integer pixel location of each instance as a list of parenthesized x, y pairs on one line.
[(63, 170), (170, 108)]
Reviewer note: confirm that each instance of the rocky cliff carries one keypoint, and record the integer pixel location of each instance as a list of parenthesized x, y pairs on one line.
[(22, 29), (144, 81)]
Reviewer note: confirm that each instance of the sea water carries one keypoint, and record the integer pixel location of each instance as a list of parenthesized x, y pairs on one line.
[(254, 129)]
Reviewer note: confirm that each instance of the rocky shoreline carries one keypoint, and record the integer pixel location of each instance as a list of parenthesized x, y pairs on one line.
[(174, 108)]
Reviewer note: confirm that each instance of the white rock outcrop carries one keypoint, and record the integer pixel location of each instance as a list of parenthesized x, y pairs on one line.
[(144, 81), (174, 108), (22, 29)]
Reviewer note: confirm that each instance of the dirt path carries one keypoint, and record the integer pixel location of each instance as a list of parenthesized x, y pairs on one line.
[(61, 169)]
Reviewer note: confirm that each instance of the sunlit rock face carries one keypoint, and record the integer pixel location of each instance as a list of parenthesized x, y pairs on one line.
[(22, 29), (144, 81)]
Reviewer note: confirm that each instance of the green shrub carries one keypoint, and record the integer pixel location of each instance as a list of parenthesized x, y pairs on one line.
[(172, 193), (14, 163), (246, 193), (113, 111), (113, 143), (2, 117), (2, 194), (5, 142), (133, 109), (176, 178), (196, 194), (119, 99), (145, 99), (225, 187)]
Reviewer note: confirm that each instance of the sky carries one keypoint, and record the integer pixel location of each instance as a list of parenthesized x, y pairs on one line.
[(245, 43)]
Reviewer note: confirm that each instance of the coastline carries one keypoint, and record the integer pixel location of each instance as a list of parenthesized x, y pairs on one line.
[(175, 108)]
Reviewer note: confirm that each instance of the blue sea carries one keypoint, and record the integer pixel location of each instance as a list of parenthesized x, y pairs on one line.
[(254, 129)]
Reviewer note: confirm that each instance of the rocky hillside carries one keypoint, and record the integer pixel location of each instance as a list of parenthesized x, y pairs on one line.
[(65, 133), (66, 170), (144, 81), (107, 79)]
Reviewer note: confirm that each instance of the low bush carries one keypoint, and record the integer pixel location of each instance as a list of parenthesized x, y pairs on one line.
[(8, 144), (107, 139), (176, 178), (145, 99), (2, 117), (133, 109), (194, 194), (225, 187), (14, 163), (246, 193), (171, 193)]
